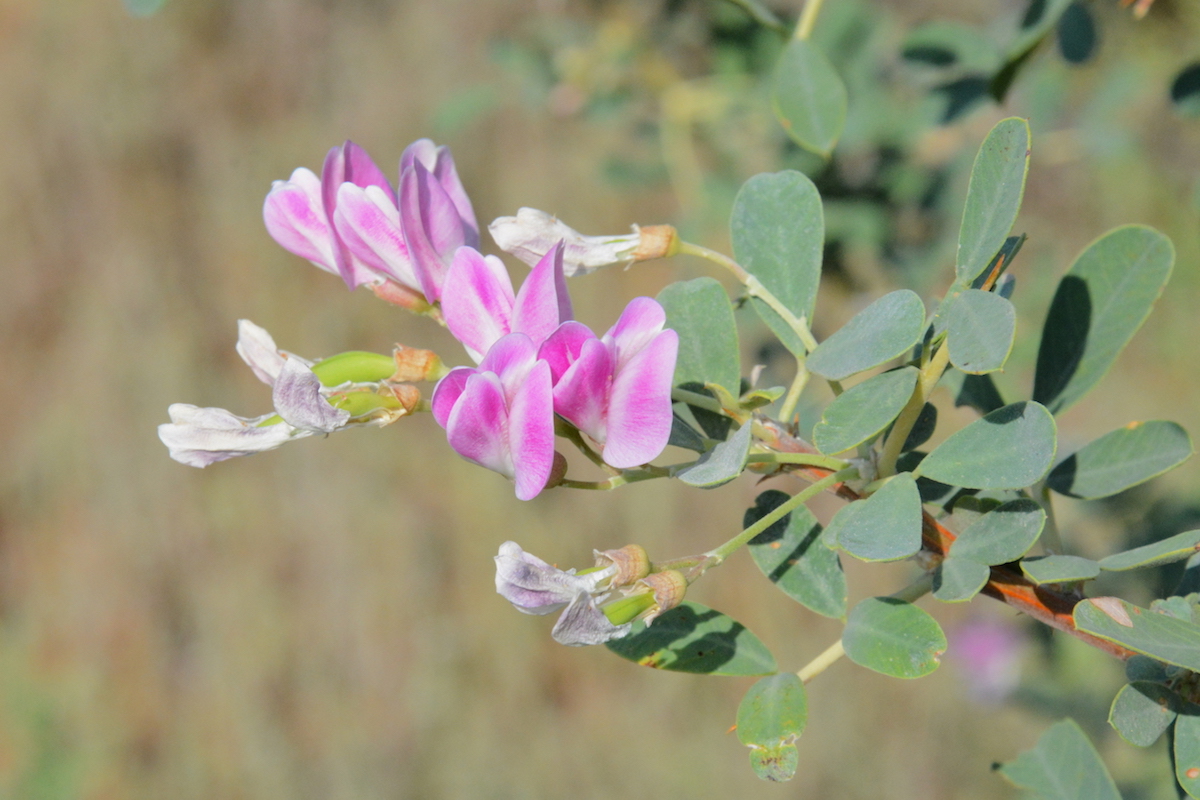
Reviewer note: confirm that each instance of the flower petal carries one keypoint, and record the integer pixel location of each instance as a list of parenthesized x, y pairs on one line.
[(298, 399), (369, 226), (640, 322), (543, 303), (477, 424), (562, 347), (432, 228), (477, 300), (349, 163), (202, 436), (534, 586), (510, 358), (258, 350), (531, 432), (639, 404), (447, 392), (532, 233), (581, 394), (296, 219), (584, 623), (439, 161)]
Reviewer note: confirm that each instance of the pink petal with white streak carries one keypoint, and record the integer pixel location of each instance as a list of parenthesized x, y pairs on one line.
[(562, 347), (369, 225), (531, 432), (476, 426), (581, 394), (439, 161), (477, 300), (543, 303), (642, 320), (511, 357), (639, 404), (296, 219), (447, 392)]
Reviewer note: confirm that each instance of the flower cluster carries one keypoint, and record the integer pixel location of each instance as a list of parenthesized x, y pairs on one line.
[(416, 245), (599, 604)]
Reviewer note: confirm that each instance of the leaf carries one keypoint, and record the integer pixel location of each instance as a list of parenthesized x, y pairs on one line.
[(1009, 448), (684, 435), (1059, 569), (1121, 459), (864, 410), (1142, 711), (943, 43), (980, 393), (700, 312), (778, 232), (770, 718), (1173, 548), (884, 330), (721, 464), (1185, 91), (1187, 749), (793, 557), (1040, 17), (893, 637), (922, 429), (809, 98), (959, 579), (1076, 33), (1001, 535), (993, 197), (1062, 766), (980, 329), (1160, 636), (696, 638), (883, 527), (1098, 306)]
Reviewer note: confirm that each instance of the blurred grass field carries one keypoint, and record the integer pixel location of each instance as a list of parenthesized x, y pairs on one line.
[(321, 622)]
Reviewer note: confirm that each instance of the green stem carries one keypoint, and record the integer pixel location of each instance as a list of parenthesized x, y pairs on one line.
[(755, 288), (808, 19), (1051, 540), (719, 554), (788, 409), (931, 373), (808, 459), (832, 654), (627, 476), (572, 435), (698, 400)]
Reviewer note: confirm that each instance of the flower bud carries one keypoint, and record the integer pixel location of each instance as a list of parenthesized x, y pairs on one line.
[(558, 471), (632, 563)]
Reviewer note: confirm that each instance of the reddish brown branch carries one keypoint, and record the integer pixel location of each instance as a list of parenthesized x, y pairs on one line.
[(1051, 607)]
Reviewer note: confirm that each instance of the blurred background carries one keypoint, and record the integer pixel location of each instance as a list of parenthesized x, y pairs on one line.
[(320, 621)]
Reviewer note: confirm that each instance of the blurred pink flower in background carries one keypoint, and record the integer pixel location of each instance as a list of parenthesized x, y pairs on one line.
[(988, 654)]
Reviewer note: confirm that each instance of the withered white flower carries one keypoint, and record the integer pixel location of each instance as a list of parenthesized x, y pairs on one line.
[(533, 233)]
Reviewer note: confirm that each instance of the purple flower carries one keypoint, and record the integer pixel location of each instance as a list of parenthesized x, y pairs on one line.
[(480, 308), (501, 415), (617, 389), (989, 654), (352, 222)]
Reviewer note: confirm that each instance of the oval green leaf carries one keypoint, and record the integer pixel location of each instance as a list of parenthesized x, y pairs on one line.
[(883, 527), (809, 97), (770, 718), (1059, 569), (792, 555), (1142, 711), (980, 328), (778, 233), (1174, 548), (1009, 448), (884, 330), (1159, 636), (1185, 91), (993, 197), (1121, 459), (1062, 766), (959, 579), (1098, 306), (1001, 535), (893, 637), (1187, 749), (864, 410), (700, 312), (721, 464), (696, 638)]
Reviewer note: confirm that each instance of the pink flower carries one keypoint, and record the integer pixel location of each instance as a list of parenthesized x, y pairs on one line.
[(617, 389), (501, 415), (351, 221), (479, 306)]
